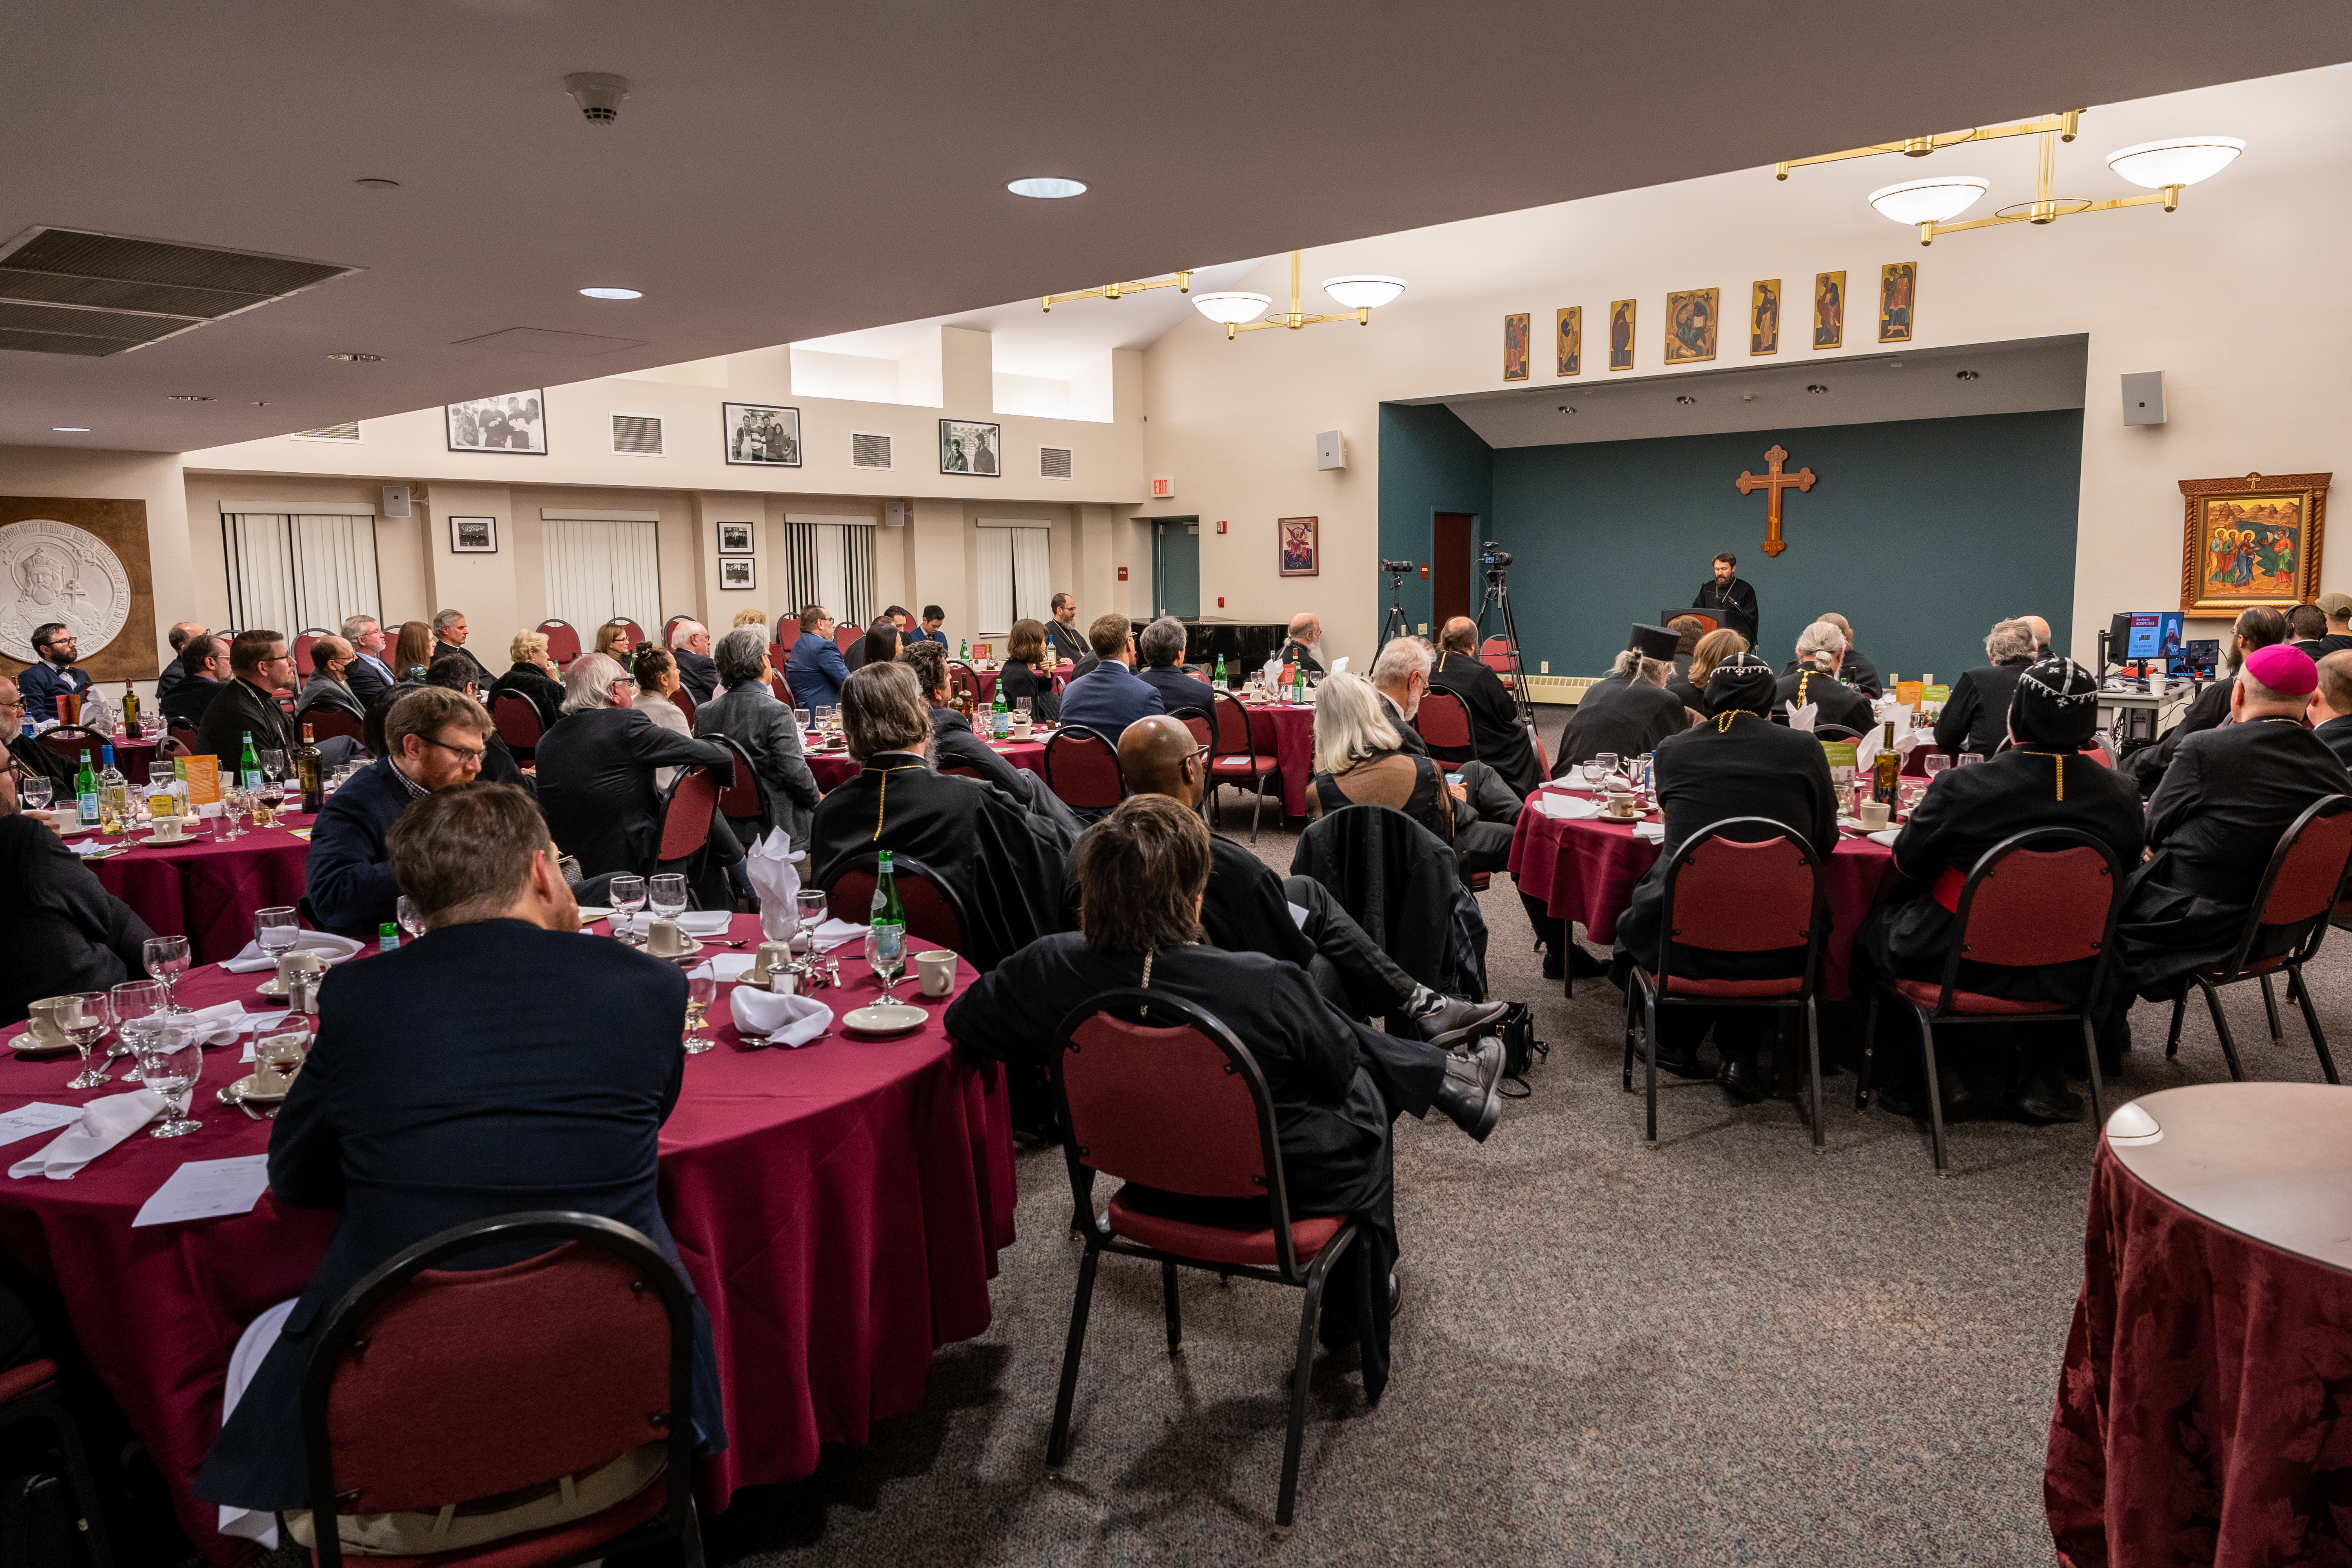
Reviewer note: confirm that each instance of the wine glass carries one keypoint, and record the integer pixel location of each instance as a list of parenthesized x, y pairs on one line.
[(1936, 763), (166, 959), (665, 895), (277, 930), (171, 1060), (701, 990), (628, 896), (801, 718), (1968, 757), (1592, 770), (232, 802), (411, 917), (273, 765), (35, 791), (885, 949), (81, 1017), (131, 1002)]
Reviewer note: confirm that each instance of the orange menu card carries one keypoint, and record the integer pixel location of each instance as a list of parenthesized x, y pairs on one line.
[(204, 780)]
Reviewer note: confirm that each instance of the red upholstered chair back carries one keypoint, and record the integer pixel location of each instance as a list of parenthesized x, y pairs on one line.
[(562, 641), (1164, 1107), (845, 633), (742, 797), (327, 723), (2307, 869), (934, 914), (174, 744), (71, 740), (1732, 897), (779, 655), (518, 720), (302, 645), (1442, 720), (2099, 755), (637, 632), (2033, 907), (683, 699), (1061, 681), (961, 678), (686, 815), (1233, 737), (1494, 652), (1203, 729), (670, 626), (784, 692), (1082, 768)]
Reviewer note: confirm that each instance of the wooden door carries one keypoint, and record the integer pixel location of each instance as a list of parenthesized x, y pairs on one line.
[(1451, 545)]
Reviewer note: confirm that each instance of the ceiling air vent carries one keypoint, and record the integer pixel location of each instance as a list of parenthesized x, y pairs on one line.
[(1053, 462), (868, 451), (636, 436), (65, 291), (346, 431)]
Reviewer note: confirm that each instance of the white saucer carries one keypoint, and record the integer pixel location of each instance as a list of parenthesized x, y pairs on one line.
[(243, 1089), (692, 947), (30, 1047), (884, 1018)]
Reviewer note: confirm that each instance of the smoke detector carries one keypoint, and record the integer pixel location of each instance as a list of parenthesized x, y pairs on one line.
[(598, 94)]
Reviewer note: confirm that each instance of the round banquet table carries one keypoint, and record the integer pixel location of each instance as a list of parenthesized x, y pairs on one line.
[(132, 757), (2201, 1415), (839, 1208), (208, 887), (834, 767), (1584, 869), (1286, 732)]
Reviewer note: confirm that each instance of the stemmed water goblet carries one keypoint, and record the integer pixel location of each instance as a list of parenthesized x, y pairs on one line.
[(1936, 763), (628, 896), (411, 917), (166, 959), (665, 895), (277, 930), (171, 1060), (130, 1004), (701, 990), (232, 800), (36, 793), (81, 1016), (885, 949)]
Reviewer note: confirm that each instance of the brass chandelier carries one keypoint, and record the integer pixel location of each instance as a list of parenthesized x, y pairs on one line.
[(1181, 282), (1359, 294), (2163, 168)]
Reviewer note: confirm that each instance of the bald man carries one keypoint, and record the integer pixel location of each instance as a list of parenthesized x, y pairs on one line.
[(182, 634), (1248, 909), (2040, 634)]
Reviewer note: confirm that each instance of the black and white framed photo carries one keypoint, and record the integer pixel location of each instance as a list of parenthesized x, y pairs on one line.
[(968, 446), (514, 423), (474, 535), (739, 572), (761, 436), (734, 538)]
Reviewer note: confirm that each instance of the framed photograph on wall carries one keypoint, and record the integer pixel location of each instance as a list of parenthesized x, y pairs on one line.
[(734, 538), (761, 436), (514, 423), (1300, 555), (474, 536), (968, 446), (2251, 541), (738, 572)]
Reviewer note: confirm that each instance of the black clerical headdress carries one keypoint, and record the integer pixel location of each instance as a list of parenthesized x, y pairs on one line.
[(1740, 684), (1654, 642), (2056, 705)]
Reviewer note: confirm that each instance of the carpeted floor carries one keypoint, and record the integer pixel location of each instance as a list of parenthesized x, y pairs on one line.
[(1725, 1351)]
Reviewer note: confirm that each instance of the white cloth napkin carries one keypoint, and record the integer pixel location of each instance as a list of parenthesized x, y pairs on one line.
[(793, 1020), (1567, 807), (1803, 719), (327, 945), (1886, 836), (104, 1123), (832, 933), (725, 968), (1906, 740), (226, 1021), (777, 881), (1655, 832), (1339, 664), (693, 922)]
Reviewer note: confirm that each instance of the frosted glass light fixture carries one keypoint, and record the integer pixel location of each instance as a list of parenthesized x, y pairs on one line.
[(1047, 187), (1363, 291), (1928, 201), (613, 293), (1233, 307), (2176, 160)]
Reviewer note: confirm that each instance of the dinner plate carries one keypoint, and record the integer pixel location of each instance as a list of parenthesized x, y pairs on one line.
[(884, 1018), (33, 1049)]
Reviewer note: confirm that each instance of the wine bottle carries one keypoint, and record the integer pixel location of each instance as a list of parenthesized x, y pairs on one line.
[(85, 791), (963, 649), (248, 766), (113, 794), (1886, 769), (129, 708), (310, 769)]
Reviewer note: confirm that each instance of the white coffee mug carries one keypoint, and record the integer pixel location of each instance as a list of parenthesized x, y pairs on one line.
[(1874, 814), (298, 962), (665, 940), (936, 971)]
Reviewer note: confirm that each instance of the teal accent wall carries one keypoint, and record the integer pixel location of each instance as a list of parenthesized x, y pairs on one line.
[(1921, 533), (1430, 462)]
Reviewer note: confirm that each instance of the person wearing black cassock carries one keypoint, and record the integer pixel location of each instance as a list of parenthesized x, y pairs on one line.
[(2258, 628), (1814, 681), (1497, 735), (1729, 598), (60, 929), (204, 670), (1006, 864), (2042, 780), (1304, 646), (1855, 668), (2330, 713), (2214, 822), (1737, 764), (1063, 640), (1629, 711), (247, 705), (1976, 715)]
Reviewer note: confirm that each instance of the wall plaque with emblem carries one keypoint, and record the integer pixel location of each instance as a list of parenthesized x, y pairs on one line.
[(83, 562)]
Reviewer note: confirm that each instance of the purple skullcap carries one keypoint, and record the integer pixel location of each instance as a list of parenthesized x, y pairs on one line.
[(2285, 670)]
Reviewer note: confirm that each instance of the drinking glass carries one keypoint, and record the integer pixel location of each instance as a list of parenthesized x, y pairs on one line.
[(885, 949), (701, 989), (36, 793), (1021, 705), (166, 959), (130, 1005), (266, 801), (171, 1060), (273, 765), (1936, 763), (665, 895), (411, 917), (801, 718), (1592, 770), (628, 896), (277, 930), (81, 1017), (1968, 757), (232, 804)]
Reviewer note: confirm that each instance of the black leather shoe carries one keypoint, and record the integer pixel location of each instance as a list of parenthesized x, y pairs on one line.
[(1396, 1295), (1453, 1019), (2044, 1099), (1555, 966), (1680, 1061), (1582, 965), (1472, 1094), (1741, 1079)]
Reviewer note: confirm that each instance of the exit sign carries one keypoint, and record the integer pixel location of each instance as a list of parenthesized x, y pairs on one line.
[(1163, 490)]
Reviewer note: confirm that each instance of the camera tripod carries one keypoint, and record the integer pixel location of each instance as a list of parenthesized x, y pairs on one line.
[(1393, 624), (1498, 599)]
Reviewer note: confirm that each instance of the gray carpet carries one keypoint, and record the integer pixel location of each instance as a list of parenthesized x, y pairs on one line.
[(1727, 1351)]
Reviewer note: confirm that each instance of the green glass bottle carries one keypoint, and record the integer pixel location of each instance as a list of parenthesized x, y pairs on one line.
[(1219, 683), (86, 791), (248, 766), (113, 794), (999, 716), (388, 937), (886, 936)]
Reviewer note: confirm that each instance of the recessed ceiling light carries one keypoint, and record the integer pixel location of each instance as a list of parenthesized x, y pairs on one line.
[(1816, 388), (1686, 398), (377, 184), (1568, 408), (71, 429), (1048, 188), (613, 293), (1964, 375), (187, 398), (359, 359)]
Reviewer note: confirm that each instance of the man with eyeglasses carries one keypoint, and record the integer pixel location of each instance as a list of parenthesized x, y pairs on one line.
[(53, 674), (260, 668), (25, 756), (434, 737)]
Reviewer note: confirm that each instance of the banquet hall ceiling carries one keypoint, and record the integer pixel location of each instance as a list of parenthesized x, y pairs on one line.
[(781, 171)]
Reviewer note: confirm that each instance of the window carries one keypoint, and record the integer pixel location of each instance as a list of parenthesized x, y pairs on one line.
[(298, 572), (1016, 574), (829, 560), (601, 570)]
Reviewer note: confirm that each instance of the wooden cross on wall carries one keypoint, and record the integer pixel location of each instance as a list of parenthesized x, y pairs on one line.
[(1773, 481)]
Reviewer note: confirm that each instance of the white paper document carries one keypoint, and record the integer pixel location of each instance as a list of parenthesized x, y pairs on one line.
[(37, 1117), (203, 1188)]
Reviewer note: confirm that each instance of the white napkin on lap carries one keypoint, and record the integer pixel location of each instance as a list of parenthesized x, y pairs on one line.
[(786, 1020), (326, 945), (1655, 832), (103, 1124)]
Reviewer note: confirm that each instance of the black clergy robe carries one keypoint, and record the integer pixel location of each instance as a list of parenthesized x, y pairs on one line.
[(1976, 715), (1837, 704), (1007, 864), (1495, 733), (1965, 812), (2337, 735), (1329, 1113), (1733, 603), (1621, 714), (1299, 654), (955, 745), (1855, 669), (2209, 710), (61, 930), (2213, 824)]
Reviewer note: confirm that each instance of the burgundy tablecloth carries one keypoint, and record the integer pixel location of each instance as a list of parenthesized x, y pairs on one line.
[(208, 888), (1585, 869), (839, 1208), (1287, 733), (2203, 1414), (833, 769), (132, 757)]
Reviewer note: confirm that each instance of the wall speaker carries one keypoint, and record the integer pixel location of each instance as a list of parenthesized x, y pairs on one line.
[(2144, 397), (894, 514), (396, 500), (1330, 450)]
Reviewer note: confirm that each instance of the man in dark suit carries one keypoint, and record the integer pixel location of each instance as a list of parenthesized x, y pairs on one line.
[(60, 929), (182, 634), (53, 674), (1062, 638), (954, 746), (933, 619), (1976, 714), (816, 670), (689, 644), (2330, 714), (369, 673), (595, 771), (433, 740), (1161, 650), (204, 667), (1497, 735), (331, 663), (1729, 598), (449, 634), (440, 1090), (2306, 631), (260, 668), (2258, 628), (1109, 698)]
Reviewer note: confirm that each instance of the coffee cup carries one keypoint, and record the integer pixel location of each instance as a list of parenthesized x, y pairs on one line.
[(1623, 803), (770, 957), (935, 972), (1021, 726), (275, 1061), (666, 939), (42, 1027), (169, 830), (1873, 814), (298, 962)]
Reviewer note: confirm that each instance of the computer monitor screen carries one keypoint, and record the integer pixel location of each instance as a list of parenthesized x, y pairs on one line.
[(2199, 657), (2155, 633)]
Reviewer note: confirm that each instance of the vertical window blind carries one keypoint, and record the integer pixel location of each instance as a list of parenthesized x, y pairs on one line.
[(298, 572), (828, 562), (600, 570), (1016, 574)]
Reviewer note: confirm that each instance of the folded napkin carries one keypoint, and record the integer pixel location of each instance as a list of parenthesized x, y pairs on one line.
[(832, 933), (726, 967), (96, 844), (693, 922), (103, 1124), (785, 1020), (226, 1021), (1339, 664), (333, 949), (1803, 719), (777, 881), (1565, 807), (1655, 832), (1886, 837)]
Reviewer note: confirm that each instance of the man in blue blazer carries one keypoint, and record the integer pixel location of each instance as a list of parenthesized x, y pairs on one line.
[(441, 1089), (817, 669), (1109, 698), (432, 738), (933, 619)]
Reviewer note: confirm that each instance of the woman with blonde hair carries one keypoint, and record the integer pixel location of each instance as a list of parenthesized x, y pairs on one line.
[(1711, 650), (750, 618), (1360, 760), (532, 675)]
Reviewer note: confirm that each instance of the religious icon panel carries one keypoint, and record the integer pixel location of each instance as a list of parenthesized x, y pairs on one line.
[(1691, 320), (2251, 541), (1899, 296), (1515, 351), (1829, 310), (1298, 544), (1568, 340), (1764, 317), (1621, 334)]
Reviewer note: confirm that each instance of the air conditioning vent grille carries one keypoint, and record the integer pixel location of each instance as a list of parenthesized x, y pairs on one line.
[(67, 292), (346, 431), (636, 436), (869, 451), (1053, 462)]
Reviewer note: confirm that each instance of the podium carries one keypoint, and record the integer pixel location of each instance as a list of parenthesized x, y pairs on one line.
[(1707, 619)]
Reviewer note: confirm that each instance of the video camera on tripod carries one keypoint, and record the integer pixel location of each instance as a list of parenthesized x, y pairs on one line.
[(1496, 563)]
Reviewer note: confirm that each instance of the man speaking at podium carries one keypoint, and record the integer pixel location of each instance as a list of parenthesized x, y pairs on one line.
[(1730, 599)]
